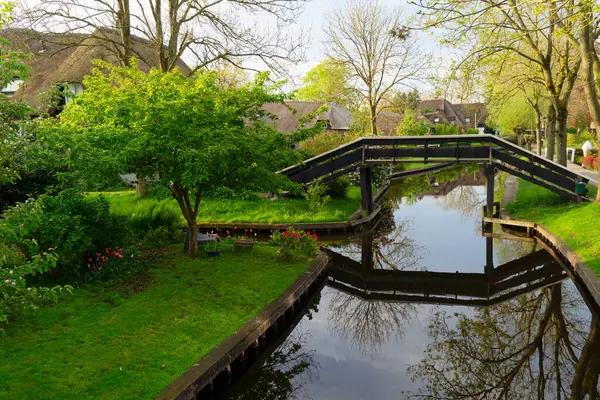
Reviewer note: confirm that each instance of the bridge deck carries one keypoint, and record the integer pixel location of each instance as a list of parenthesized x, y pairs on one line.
[(502, 154)]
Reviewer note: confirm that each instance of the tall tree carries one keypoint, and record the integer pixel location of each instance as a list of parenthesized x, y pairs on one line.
[(381, 53), (329, 81), (399, 101), (203, 31), (527, 29), (187, 134)]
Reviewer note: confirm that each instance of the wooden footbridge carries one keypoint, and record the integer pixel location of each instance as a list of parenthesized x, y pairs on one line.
[(494, 152)]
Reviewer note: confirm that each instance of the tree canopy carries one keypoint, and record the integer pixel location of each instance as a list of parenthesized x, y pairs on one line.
[(329, 81), (188, 134)]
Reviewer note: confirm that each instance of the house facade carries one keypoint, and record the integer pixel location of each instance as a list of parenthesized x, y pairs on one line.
[(284, 116)]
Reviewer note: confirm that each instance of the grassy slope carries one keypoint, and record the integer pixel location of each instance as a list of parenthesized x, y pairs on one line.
[(577, 225), (261, 211), (109, 344)]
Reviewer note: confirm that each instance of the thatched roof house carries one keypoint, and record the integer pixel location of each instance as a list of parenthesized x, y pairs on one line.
[(66, 58), (285, 116)]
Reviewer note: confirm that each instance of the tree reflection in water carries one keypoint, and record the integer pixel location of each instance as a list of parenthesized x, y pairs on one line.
[(370, 324), (284, 373), (535, 346)]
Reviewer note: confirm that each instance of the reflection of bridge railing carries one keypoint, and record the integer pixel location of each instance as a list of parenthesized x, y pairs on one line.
[(526, 274), (503, 155)]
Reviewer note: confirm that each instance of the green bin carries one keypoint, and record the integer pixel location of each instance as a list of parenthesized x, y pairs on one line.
[(580, 188)]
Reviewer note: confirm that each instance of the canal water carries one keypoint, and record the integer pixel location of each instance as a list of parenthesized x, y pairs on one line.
[(428, 306)]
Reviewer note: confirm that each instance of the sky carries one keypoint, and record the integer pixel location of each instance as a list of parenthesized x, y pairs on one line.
[(314, 19)]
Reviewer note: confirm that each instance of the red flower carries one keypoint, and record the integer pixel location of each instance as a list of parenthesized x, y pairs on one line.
[(90, 259), (286, 234), (308, 233), (315, 236), (250, 230), (295, 235), (139, 245)]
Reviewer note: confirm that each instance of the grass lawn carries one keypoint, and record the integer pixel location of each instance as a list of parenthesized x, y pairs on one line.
[(107, 342), (260, 211), (577, 225)]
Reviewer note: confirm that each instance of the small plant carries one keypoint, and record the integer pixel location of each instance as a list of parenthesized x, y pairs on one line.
[(295, 244), (212, 247), (113, 263), (316, 196)]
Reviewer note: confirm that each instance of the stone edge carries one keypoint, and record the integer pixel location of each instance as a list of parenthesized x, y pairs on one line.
[(219, 358)]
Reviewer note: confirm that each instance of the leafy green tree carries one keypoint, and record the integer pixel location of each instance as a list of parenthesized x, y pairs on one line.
[(513, 116), (401, 101), (328, 81), (188, 134), (410, 126)]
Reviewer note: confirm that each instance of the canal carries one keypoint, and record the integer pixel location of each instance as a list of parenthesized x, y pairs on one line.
[(426, 305)]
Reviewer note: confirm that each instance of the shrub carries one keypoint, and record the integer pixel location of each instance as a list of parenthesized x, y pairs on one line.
[(68, 223), (15, 295), (338, 188), (150, 216), (472, 131), (211, 247), (316, 196), (325, 141), (295, 245)]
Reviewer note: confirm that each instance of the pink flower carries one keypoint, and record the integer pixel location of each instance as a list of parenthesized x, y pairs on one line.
[(250, 230)]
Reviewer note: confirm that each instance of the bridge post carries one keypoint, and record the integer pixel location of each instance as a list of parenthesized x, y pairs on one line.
[(489, 256), (366, 190), (366, 251), (489, 209)]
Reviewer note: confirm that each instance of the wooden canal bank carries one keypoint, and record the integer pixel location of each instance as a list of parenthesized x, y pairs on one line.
[(230, 358), (586, 279)]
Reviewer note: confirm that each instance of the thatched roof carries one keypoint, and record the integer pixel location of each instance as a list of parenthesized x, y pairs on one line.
[(66, 57), (285, 120)]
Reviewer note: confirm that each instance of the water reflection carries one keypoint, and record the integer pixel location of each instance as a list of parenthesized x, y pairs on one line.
[(426, 306)]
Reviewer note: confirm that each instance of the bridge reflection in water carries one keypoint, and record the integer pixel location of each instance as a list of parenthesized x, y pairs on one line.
[(493, 285)]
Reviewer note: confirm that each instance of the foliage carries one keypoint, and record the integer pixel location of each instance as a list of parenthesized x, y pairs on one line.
[(151, 216), (316, 196), (401, 101), (325, 141), (212, 247), (113, 263), (68, 223), (15, 295), (295, 245), (207, 299), (188, 134), (443, 129), (472, 131), (513, 115), (328, 82), (409, 126), (338, 188)]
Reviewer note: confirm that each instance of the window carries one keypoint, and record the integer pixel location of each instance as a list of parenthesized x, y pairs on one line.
[(467, 119), (75, 89), (436, 120), (12, 87)]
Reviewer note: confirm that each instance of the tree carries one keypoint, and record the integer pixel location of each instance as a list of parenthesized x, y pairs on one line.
[(512, 116), (13, 116), (328, 82), (188, 134), (409, 126), (526, 29), (400, 101), (204, 31), (381, 53)]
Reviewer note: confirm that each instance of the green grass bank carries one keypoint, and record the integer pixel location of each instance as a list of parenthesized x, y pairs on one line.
[(576, 224), (265, 211), (111, 342)]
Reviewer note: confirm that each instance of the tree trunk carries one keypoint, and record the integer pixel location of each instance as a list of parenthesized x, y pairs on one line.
[(140, 189), (192, 234), (589, 67), (373, 113), (538, 132), (124, 27), (561, 136), (550, 132)]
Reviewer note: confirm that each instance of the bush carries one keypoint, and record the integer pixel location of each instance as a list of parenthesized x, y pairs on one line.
[(159, 237), (15, 295), (69, 224), (338, 188), (472, 131), (150, 216), (295, 245), (325, 141), (316, 196)]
